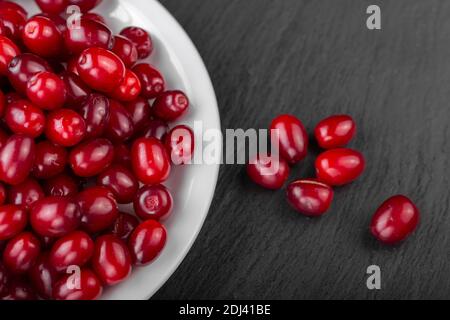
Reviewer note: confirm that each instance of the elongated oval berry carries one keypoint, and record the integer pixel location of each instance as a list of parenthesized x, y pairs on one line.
[(26, 193), (147, 241), (141, 40), (268, 171), (55, 216), (13, 219), (90, 287), (75, 249), (50, 160), (335, 132), (310, 197), (91, 158), (101, 69), (87, 35), (289, 133), (16, 159), (65, 127), (111, 260), (170, 105), (152, 81), (98, 207), (126, 50), (21, 253), (129, 89), (23, 117), (338, 167), (120, 126), (395, 220), (47, 90), (150, 161), (42, 37), (43, 276), (95, 112), (121, 181), (23, 67)]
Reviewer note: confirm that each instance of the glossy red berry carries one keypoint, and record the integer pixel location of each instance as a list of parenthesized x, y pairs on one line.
[(43, 277), (91, 157), (6, 5), (111, 260), (170, 105), (99, 209), (8, 51), (88, 34), (140, 112), (16, 159), (395, 220), (120, 125), (338, 167), (268, 171), (22, 117), (26, 193), (75, 249), (310, 197), (85, 5), (90, 287), (13, 220), (124, 226), (77, 90), (13, 22), (335, 132), (120, 181), (50, 160), (42, 37), (23, 67), (55, 216), (95, 112), (53, 6), (147, 241), (141, 40), (47, 91), (60, 22), (65, 127), (291, 137), (129, 89), (21, 253), (157, 129), (180, 145), (150, 161), (152, 81), (62, 185), (153, 202), (125, 50), (100, 69)]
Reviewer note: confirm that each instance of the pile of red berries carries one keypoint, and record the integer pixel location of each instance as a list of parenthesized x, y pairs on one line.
[(84, 128), (337, 166)]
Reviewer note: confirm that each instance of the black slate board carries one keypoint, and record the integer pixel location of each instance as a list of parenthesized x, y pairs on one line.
[(314, 59)]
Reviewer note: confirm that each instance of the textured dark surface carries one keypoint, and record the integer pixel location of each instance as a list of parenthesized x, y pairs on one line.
[(314, 59)]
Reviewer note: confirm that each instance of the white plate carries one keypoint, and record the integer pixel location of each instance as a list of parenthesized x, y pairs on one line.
[(192, 186)]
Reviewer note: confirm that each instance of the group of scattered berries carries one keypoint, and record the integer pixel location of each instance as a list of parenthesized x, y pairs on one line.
[(84, 128), (396, 218)]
